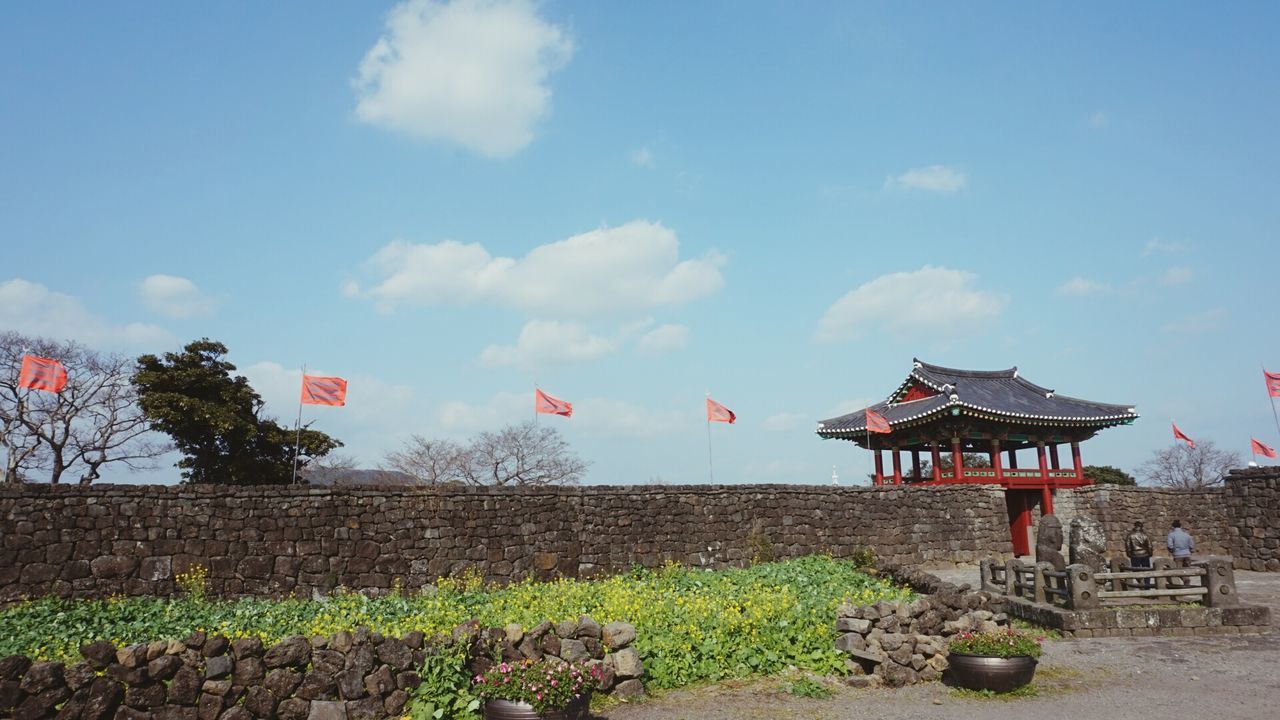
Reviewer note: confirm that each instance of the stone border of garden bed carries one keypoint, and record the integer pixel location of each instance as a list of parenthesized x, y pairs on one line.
[(350, 676), (1131, 620), (902, 643)]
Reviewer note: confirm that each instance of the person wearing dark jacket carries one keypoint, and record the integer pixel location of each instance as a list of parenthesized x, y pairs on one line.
[(1138, 547)]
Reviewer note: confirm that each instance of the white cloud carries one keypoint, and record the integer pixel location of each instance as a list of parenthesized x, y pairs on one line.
[(1177, 276), (935, 301), (643, 158), (611, 270), (1080, 287), (173, 296), (549, 341), (1099, 119), (618, 419), (33, 309), (1156, 245), (462, 418), (783, 421), (1200, 322), (473, 72), (935, 178), (664, 338)]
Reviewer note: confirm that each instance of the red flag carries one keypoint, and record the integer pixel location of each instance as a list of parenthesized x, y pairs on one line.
[(719, 413), (39, 373), (1273, 383), (323, 390), (1263, 450), (1179, 435), (876, 422), (547, 405)]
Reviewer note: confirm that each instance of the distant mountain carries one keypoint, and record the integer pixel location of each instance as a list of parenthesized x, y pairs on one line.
[(340, 477)]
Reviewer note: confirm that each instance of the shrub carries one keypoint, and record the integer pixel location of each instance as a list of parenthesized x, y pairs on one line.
[(1003, 643), (544, 684)]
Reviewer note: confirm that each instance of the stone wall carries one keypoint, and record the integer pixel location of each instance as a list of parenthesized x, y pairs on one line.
[(100, 540), (903, 643), (350, 676), (1118, 507), (1252, 501)]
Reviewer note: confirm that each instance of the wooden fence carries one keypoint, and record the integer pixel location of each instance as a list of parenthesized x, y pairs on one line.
[(1208, 582)]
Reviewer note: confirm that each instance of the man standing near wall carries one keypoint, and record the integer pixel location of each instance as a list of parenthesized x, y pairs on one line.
[(1138, 547), (1180, 544)]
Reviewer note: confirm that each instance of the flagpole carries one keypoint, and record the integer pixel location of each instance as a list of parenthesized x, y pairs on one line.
[(297, 429), (1270, 397), (711, 469)]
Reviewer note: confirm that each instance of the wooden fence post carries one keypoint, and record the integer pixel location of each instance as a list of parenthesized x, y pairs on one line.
[(1011, 577)]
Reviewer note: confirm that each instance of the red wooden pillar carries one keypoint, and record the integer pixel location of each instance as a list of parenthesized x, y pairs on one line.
[(957, 460), (915, 464), (897, 467), (995, 459), (1013, 459), (1046, 496), (1075, 461), (1053, 457), (879, 478), (937, 461)]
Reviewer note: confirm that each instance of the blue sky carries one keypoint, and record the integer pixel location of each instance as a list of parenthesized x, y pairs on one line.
[(631, 204)]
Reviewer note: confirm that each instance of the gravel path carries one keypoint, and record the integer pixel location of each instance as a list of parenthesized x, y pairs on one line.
[(1219, 678)]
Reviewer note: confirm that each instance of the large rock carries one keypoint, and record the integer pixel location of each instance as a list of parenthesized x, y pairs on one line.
[(618, 635), (293, 651), (1088, 543), (1049, 542), (626, 663), (42, 676)]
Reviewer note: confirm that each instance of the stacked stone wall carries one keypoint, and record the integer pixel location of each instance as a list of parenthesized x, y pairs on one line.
[(1117, 507), (102, 540), (350, 676), (1252, 498)]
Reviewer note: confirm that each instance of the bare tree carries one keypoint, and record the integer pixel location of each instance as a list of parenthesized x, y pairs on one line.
[(523, 454), (1190, 468), (435, 462), (93, 422)]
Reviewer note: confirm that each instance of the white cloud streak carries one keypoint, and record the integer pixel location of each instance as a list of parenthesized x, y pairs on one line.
[(1081, 287), (1201, 322), (1177, 276), (472, 72), (175, 297), (936, 301), (665, 338), (934, 178), (33, 309), (543, 342), (603, 272)]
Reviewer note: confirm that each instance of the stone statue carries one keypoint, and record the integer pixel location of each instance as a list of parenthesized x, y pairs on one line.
[(1088, 543), (1049, 542)]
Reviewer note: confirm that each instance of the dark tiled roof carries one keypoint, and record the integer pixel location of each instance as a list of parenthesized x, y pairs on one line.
[(1001, 394)]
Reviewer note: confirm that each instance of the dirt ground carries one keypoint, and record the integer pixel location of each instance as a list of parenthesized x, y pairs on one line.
[(1218, 678)]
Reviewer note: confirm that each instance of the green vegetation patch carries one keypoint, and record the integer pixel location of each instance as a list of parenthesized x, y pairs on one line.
[(692, 625)]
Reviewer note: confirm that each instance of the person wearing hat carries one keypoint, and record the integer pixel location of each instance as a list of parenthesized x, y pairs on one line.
[(1138, 547)]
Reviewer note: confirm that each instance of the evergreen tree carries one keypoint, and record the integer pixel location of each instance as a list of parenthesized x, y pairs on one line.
[(215, 419)]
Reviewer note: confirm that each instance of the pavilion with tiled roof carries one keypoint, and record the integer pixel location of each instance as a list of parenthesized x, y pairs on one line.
[(992, 412)]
